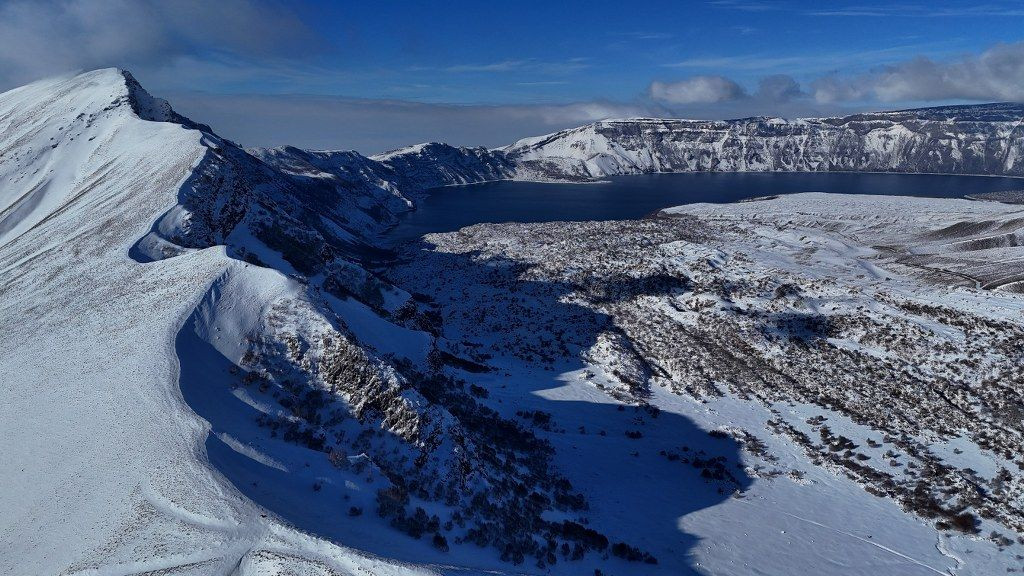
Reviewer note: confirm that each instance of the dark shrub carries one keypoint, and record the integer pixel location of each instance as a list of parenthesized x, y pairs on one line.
[(440, 542)]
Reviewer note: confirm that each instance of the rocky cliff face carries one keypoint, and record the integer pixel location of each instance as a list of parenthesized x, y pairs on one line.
[(983, 139), (373, 191)]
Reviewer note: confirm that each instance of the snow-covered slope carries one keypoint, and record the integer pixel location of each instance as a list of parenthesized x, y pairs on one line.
[(432, 165), (200, 376), (205, 370), (810, 384), (106, 467), (985, 139), (195, 364)]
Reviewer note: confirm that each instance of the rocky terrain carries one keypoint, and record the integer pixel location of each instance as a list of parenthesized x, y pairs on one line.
[(211, 367), (984, 139), (816, 301)]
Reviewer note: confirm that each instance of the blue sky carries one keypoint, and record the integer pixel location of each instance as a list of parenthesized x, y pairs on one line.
[(528, 52), (374, 75)]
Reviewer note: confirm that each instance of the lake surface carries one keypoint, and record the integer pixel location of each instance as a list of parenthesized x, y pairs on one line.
[(624, 197)]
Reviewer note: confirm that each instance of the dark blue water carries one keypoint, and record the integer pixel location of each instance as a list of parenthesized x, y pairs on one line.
[(624, 197)]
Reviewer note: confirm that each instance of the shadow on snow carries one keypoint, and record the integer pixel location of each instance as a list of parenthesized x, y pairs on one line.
[(640, 470)]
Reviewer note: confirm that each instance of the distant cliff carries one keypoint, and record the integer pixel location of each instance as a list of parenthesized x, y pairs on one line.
[(982, 139), (979, 139)]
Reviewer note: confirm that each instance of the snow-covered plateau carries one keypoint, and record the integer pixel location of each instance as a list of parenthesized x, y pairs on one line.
[(208, 364)]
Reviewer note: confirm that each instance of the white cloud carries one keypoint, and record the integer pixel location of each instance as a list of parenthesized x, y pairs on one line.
[(808, 63), (960, 10), (530, 65), (697, 90), (748, 6), (643, 35), (996, 74), (947, 9), (44, 37)]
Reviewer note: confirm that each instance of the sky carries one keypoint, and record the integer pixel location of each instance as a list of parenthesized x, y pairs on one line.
[(374, 76)]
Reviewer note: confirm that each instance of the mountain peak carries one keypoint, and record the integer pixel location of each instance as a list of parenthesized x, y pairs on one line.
[(148, 107)]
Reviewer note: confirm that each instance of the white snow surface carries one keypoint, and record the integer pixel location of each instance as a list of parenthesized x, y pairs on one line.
[(105, 464), (129, 449)]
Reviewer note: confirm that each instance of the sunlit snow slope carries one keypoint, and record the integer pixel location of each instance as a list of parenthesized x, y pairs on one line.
[(106, 466), (201, 374)]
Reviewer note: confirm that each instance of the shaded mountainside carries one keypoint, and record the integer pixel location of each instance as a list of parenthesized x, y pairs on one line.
[(339, 367), (379, 188)]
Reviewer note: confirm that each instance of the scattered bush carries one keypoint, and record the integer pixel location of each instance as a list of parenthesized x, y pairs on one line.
[(440, 542), (965, 522)]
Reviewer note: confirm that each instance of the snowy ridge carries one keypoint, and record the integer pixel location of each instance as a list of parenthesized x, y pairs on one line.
[(111, 461), (210, 316)]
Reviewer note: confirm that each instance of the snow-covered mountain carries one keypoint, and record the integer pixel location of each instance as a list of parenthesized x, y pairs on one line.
[(119, 220), (196, 363), (205, 369), (978, 139), (983, 139)]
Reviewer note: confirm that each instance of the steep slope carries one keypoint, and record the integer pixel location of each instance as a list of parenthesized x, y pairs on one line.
[(984, 139), (364, 191), (381, 187), (432, 165), (107, 457)]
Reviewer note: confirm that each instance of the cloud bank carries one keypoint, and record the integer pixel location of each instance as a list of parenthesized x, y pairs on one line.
[(996, 74), (44, 37)]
